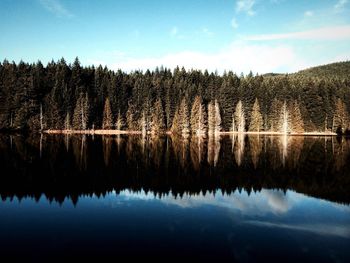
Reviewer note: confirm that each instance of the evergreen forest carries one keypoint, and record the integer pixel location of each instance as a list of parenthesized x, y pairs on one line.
[(61, 96)]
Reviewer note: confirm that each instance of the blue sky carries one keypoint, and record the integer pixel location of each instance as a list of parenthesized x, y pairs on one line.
[(243, 35)]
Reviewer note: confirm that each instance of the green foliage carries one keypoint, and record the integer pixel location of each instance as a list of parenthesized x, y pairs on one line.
[(119, 124), (341, 116), (184, 115), (81, 93), (333, 70), (238, 120), (176, 125), (157, 119), (198, 117), (256, 122), (107, 122), (296, 119), (81, 113)]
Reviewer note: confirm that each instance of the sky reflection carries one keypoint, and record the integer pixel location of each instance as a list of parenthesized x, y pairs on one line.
[(238, 225), (268, 209)]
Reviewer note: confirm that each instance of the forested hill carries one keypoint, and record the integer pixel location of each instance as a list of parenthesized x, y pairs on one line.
[(334, 70), (70, 96)]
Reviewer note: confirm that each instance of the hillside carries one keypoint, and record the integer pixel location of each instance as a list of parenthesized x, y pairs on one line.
[(338, 69)]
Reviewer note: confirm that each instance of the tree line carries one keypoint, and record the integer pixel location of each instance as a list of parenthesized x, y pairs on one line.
[(61, 96)]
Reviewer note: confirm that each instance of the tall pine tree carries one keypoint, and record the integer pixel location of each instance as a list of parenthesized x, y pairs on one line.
[(107, 122), (198, 118), (256, 120)]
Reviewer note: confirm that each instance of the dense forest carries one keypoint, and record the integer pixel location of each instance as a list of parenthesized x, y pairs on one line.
[(61, 96)]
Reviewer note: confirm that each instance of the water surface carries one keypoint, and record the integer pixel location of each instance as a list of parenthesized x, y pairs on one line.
[(234, 198)]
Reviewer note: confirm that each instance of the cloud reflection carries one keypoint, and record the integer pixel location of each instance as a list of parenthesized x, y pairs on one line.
[(320, 229), (266, 201), (268, 208)]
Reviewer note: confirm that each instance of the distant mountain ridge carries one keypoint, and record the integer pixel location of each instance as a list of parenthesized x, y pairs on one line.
[(333, 70), (337, 69)]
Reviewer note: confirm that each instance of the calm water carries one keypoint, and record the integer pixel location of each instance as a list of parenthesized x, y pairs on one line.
[(241, 198)]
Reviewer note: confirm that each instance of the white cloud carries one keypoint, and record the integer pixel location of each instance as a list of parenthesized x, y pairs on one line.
[(234, 23), (55, 7), (309, 13), (245, 6), (319, 229), (325, 33), (174, 31), (238, 57), (250, 53), (340, 5)]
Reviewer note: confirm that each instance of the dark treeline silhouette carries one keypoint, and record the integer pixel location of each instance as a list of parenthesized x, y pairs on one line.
[(69, 96), (61, 167)]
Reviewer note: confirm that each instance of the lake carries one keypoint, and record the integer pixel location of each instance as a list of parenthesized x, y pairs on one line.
[(234, 198)]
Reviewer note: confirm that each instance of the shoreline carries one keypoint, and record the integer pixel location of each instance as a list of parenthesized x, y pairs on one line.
[(119, 132), (91, 132)]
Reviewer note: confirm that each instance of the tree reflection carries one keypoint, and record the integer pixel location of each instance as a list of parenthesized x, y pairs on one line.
[(238, 145), (295, 146), (156, 150), (255, 144), (66, 141), (180, 146), (80, 151), (107, 148), (197, 151), (284, 148), (213, 150), (274, 152), (130, 140), (61, 166), (119, 142), (339, 151)]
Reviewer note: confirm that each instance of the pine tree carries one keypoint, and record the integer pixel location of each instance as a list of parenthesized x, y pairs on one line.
[(119, 124), (239, 117), (81, 113), (275, 115), (256, 120), (85, 112), (176, 125), (217, 129), (198, 118), (169, 103), (284, 119), (157, 118), (211, 118), (130, 118), (67, 125), (296, 119), (53, 116), (107, 123), (233, 125), (340, 117), (144, 124), (184, 118), (41, 118), (77, 125)]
